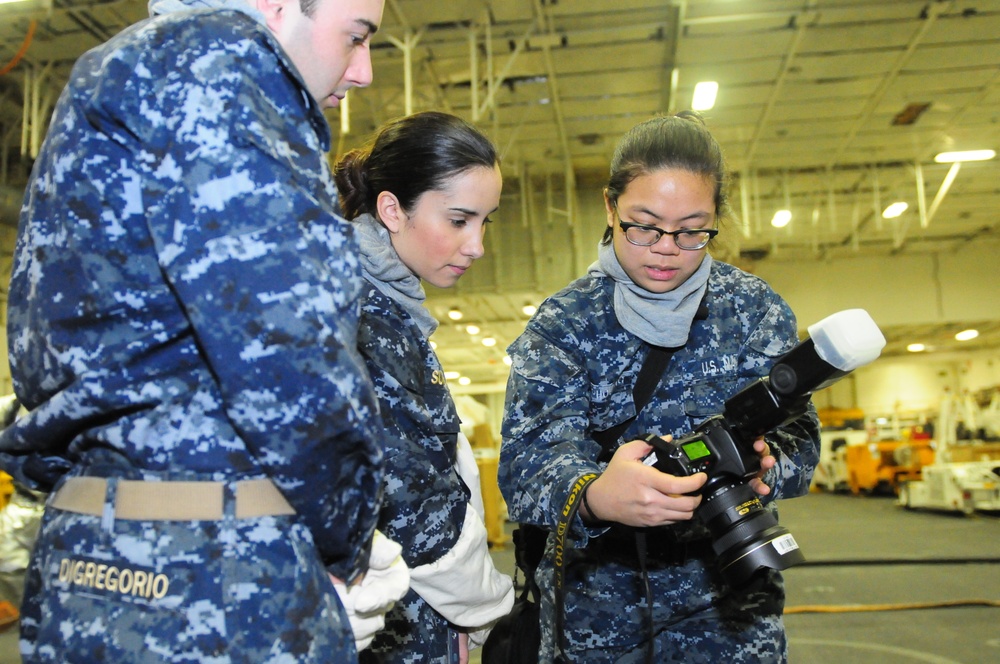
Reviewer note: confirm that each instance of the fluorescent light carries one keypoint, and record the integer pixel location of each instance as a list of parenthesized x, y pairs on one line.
[(464, 380), (472, 329), (781, 218), (454, 314), (529, 309), (507, 360), (489, 342), (916, 348), (704, 95), (967, 155), (894, 210), (966, 335)]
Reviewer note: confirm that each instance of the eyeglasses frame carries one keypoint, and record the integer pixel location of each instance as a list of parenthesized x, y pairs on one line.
[(625, 225)]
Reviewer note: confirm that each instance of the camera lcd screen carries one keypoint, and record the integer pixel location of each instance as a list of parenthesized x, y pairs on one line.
[(696, 449)]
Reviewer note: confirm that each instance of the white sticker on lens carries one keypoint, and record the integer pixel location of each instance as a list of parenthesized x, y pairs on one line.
[(784, 544)]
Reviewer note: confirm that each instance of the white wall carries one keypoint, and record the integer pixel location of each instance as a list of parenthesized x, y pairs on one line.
[(912, 384), (903, 289)]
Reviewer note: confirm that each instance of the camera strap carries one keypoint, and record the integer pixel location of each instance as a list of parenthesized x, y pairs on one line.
[(645, 384), (559, 553), (650, 373)]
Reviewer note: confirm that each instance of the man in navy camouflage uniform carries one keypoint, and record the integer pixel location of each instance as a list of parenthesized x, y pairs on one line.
[(573, 373), (182, 325), (419, 196)]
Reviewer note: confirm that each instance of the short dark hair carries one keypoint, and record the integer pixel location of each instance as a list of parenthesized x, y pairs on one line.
[(679, 141), (408, 157)]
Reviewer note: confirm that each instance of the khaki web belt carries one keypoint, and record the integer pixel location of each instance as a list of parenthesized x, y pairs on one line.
[(171, 501)]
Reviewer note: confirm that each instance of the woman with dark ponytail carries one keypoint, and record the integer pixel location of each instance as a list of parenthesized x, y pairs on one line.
[(419, 196), (641, 581)]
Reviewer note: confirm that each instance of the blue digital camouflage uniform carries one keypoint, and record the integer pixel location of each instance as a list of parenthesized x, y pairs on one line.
[(573, 372), (424, 503), (183, 306)]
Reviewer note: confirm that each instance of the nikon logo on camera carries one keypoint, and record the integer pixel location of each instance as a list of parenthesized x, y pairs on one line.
[(749, 505)]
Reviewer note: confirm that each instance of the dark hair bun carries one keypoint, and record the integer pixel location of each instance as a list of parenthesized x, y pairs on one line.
[(352, 183)]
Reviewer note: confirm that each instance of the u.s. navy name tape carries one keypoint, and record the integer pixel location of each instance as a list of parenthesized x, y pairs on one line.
[(124, 580)]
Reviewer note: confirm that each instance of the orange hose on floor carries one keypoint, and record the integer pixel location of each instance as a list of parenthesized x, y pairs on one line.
[(848, 608)]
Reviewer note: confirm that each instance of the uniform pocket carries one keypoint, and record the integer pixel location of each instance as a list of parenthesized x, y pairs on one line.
[(704, 399), (192, 590)]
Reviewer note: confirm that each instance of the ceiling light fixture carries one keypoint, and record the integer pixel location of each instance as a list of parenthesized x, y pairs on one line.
[(507, 360), (967, 335), (529, 309), (464, 380), (704, 95), (451, 375), (894, 210), (916, 348), (489, 342), (781, 218), (472, 329), (966, 155), (454, 313), (10, 2)]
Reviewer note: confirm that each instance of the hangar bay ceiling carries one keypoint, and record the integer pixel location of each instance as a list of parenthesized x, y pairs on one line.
[(831, 109)]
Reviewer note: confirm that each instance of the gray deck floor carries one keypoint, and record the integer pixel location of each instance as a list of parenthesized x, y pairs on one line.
[(862, 551), (858, 552)]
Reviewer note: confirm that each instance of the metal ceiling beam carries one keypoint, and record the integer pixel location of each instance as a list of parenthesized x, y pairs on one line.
[(798, 21), (556, 101), (493, 81), (933, 11), (671, 74)]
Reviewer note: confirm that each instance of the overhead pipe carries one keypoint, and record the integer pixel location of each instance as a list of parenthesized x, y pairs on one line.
[(856, 222), (756, 202), (831, 199), (524, 187), (530, 219), (680, 14), (29, 82), (25, 45), (5, 156), (799, 18), (933, 11), (786, 66), (406, 45), (918, 172), (815, 227), (745, 205), (410, 42), (877, 197), (558, 112), (491, 82), (899, 238), (942, 192), (39, 112), (474, 73), (494, 82)]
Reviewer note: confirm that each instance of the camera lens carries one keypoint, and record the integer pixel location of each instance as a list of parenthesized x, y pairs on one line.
[(745, 535)]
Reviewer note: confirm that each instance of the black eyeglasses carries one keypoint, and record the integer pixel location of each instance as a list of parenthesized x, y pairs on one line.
[(646, 236)]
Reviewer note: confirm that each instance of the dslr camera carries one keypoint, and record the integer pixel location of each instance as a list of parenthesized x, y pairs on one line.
[(746, 537)]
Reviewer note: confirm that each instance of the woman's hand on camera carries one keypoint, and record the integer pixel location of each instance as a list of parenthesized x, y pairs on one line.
[(767, 462), (635, 494)]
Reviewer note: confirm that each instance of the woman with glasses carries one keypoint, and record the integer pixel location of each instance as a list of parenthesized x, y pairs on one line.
[(659, 596), (420, 196)]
